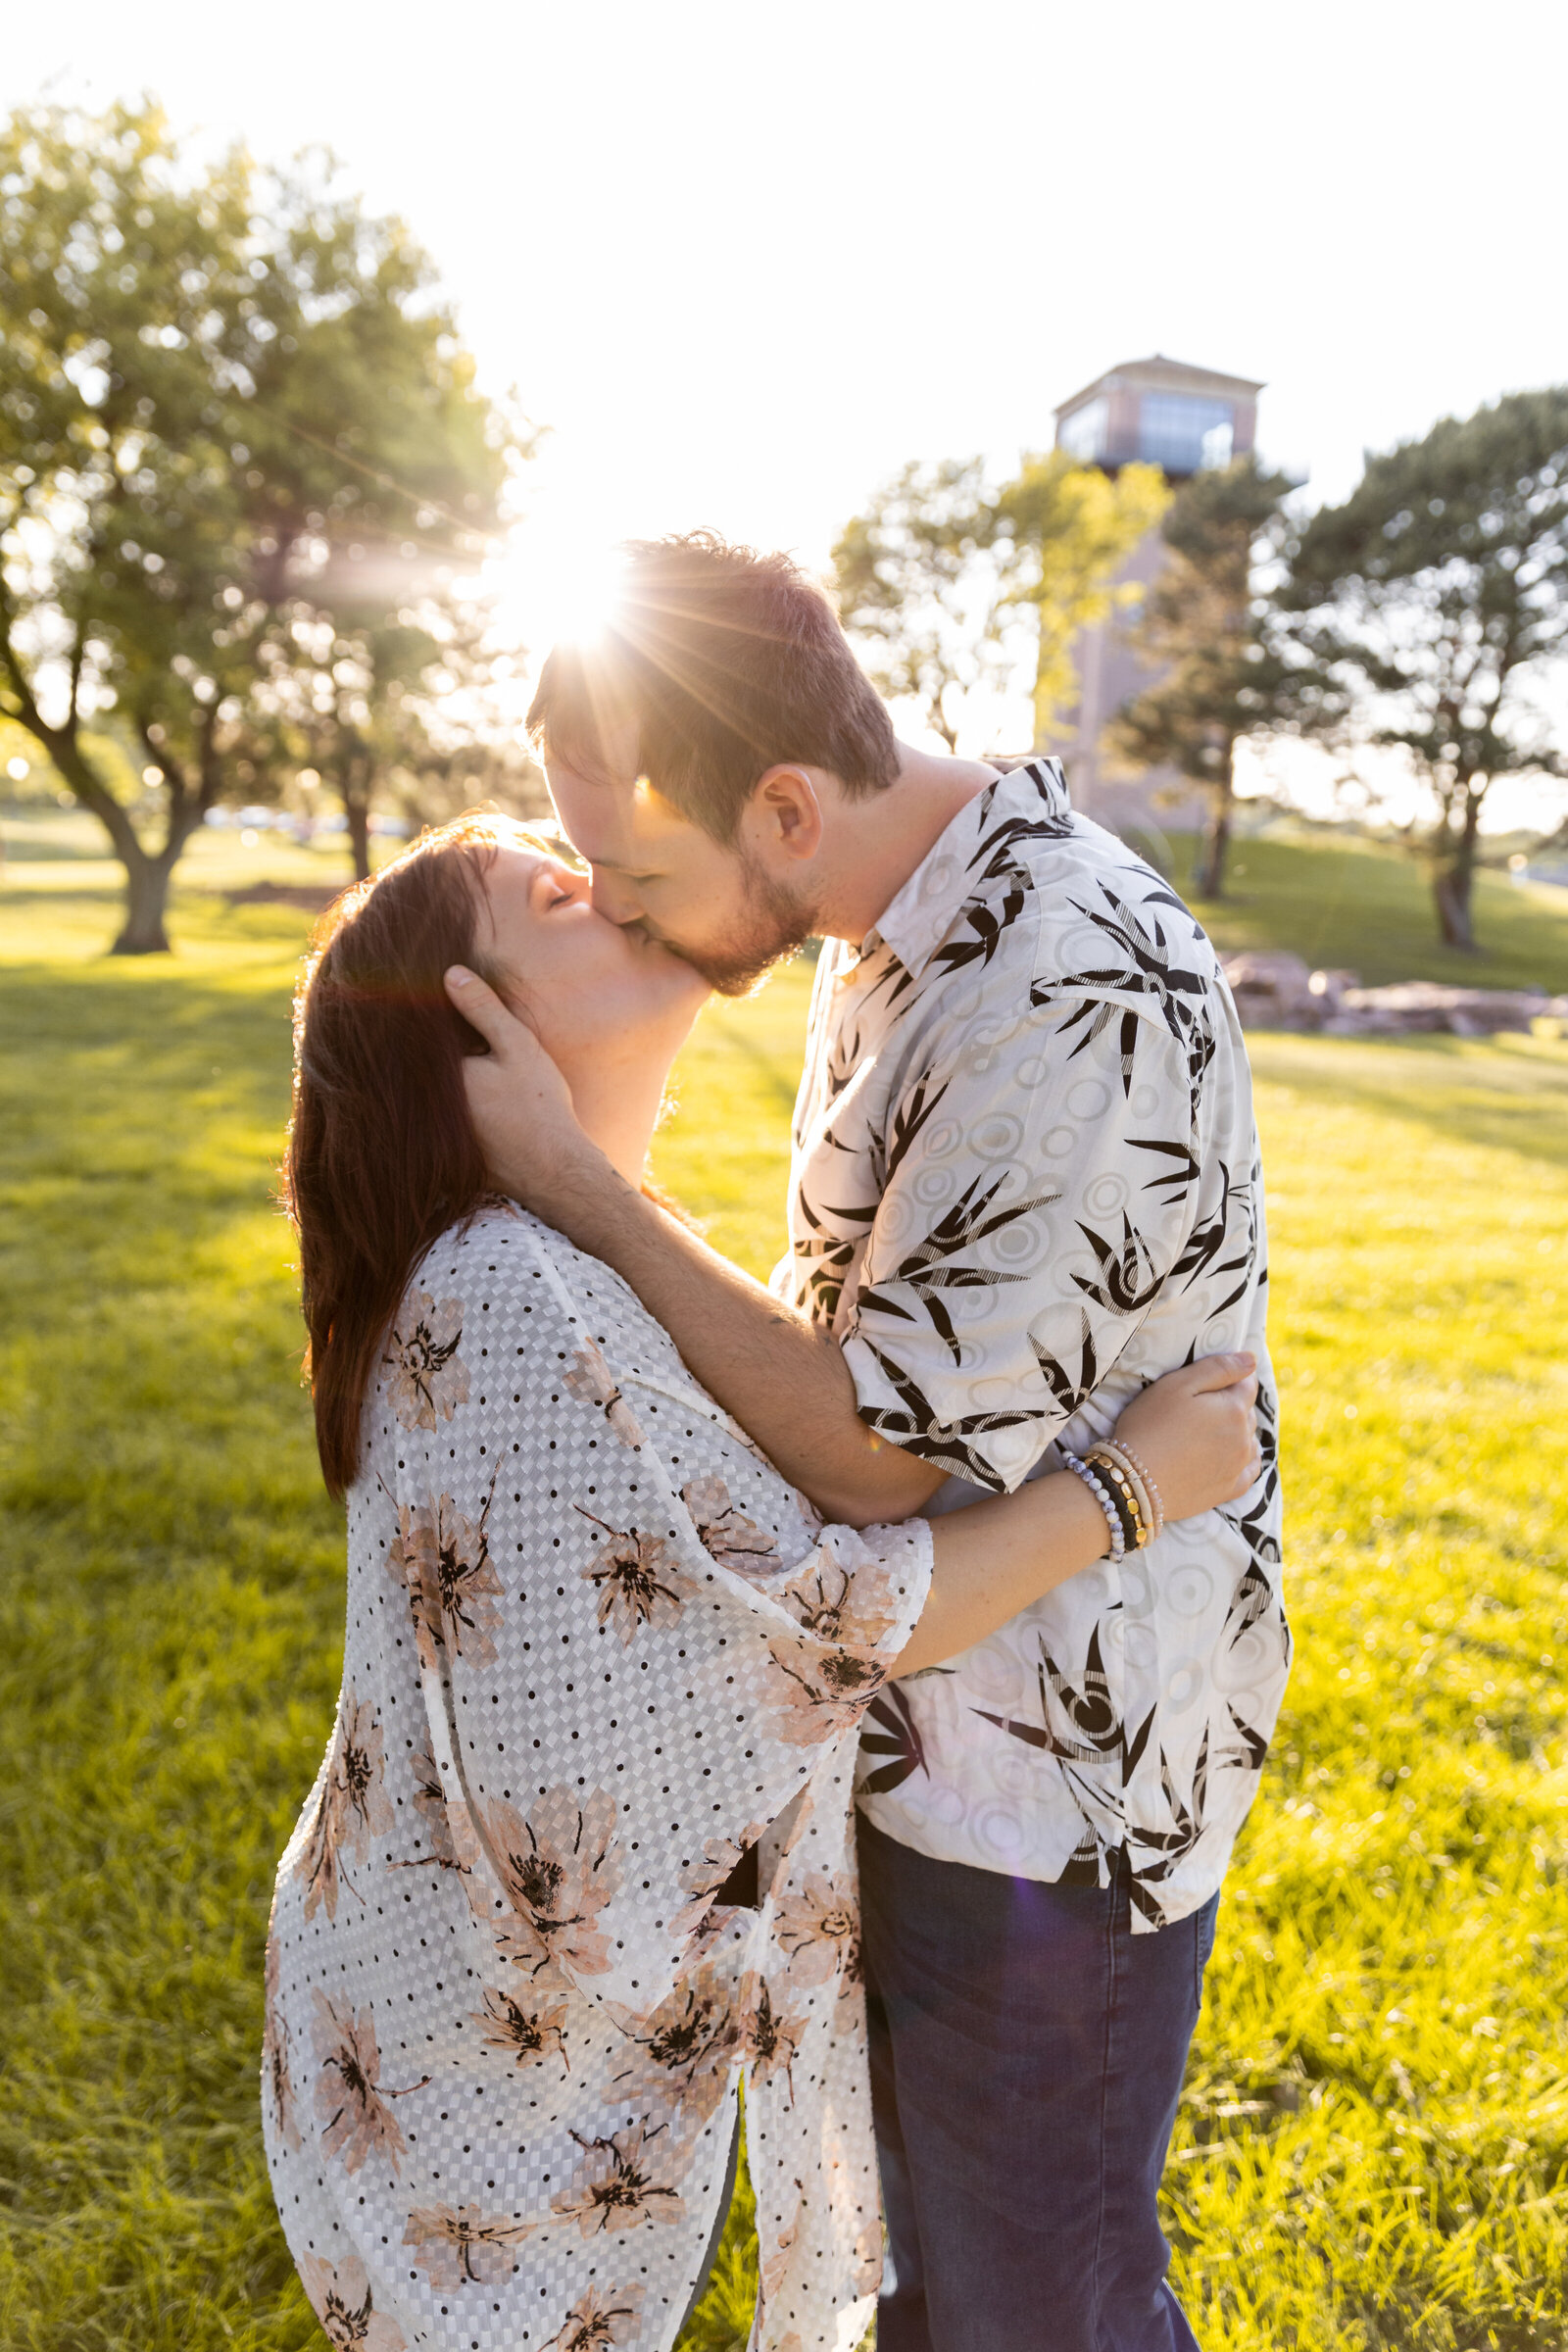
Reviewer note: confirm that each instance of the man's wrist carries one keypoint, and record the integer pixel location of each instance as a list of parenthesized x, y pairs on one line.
[(577, 1183)]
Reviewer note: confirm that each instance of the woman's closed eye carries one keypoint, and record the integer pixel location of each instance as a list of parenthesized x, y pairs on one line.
[(554, 888)]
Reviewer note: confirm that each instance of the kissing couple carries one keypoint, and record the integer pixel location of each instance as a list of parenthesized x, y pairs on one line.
[(851, 1690)]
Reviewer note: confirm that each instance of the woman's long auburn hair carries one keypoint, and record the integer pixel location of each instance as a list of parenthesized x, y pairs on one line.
[(382, 1155)]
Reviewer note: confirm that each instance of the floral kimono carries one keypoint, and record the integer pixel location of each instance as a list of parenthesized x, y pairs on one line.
[(596, 1649)]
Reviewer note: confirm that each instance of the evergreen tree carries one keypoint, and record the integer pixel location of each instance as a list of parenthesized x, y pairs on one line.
[(1206, 630), (1427, 609)]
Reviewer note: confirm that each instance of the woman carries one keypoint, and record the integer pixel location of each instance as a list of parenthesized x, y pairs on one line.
[(580, 1853)]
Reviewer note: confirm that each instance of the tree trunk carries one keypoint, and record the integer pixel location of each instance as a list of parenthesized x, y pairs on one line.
[(1452, 881), (147, 878), (358, 816), (356, 790), (1450, 893), (147, 881), (1209, 875), (1208, 878)]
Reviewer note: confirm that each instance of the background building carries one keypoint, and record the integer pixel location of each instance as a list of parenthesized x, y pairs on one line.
[(1161, 412)]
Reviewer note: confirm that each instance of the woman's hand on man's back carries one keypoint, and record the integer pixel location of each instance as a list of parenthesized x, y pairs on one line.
[(1197, 1430)]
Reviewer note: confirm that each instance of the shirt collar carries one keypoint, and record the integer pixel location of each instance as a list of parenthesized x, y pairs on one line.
[(918, 918)]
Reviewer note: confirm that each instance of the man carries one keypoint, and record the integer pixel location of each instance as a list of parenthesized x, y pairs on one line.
[(1025, 1182)]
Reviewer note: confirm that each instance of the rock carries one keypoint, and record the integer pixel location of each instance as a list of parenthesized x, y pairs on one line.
[(1330, 987), (1269, 985), (312, 895), (1429, 1005), (1274, 990)]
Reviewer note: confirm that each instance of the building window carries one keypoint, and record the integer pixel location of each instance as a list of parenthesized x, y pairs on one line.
[(1184, 434), (1083, 434)]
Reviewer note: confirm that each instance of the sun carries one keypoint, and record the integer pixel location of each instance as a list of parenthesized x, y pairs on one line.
[(572, 589)]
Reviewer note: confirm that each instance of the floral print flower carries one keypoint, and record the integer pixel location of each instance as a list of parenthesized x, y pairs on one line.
[(735, 1540), (459, 2242), (443, 1559), (431, 1803), (701, 1881), (820, 1929), (591, 1379), (349, 2097), (819, 1694), (453, 1842), (277, 2081), (637, 1580), (526, 2035), (429, 1379), (558, 1871), (769, 2036), (853, 1611), (341, 2298), (595, 2322), (680, 2054), (352, 1809), (776, 2263), (615, 2187)]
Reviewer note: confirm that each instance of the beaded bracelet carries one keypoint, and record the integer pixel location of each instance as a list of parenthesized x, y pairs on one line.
[(1105, 1460), (1101, 1494), (1142, 1477)]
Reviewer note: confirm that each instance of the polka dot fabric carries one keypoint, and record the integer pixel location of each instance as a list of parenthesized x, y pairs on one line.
[(596, 1649)]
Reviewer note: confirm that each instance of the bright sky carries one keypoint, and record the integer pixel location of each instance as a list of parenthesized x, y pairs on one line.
[(747, 261)]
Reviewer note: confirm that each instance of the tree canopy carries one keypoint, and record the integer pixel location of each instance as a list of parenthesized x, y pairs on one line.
[(240, 438), (1206, 631), (1062, 530), (1427, 608), (933, 570), (916, 587)]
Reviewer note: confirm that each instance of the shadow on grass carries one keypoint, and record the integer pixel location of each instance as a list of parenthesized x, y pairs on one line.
[(1509, 1094)]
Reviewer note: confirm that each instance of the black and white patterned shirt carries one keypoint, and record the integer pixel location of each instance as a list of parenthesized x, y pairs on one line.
[(1026, 1182)]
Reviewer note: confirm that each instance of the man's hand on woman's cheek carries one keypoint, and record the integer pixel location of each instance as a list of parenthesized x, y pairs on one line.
[(522, 1104)]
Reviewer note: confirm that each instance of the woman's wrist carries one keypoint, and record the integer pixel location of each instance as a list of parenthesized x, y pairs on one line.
[(1116, 1525)]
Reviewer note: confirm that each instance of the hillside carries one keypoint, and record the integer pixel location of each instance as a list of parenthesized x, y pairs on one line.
[(1368, 909)]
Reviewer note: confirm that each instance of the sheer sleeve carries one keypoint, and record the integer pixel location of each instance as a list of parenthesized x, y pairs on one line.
[(636, 1645)]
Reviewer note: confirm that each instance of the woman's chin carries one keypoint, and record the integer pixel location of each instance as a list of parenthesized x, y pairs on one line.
[(686, 982)]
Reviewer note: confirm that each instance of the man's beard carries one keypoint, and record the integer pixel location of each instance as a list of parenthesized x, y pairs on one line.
[(776, 924)]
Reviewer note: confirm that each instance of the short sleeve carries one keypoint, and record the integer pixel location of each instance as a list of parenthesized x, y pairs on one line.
[(1038, 1196)]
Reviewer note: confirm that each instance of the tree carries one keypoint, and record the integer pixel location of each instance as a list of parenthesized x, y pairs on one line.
[(376, 480), (1204, 626), (407, 699), (216, 393), (914, 586), (1427, 607), (1063, 530)]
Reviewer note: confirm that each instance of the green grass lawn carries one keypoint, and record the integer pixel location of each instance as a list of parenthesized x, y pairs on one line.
[(1344, 903), (1356, 906), (1372, 2152)]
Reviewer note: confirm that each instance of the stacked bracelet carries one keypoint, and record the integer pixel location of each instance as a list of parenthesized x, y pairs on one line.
[(1102, 1495), (1120, 1461), (1108, 1462), (1143, 1477)]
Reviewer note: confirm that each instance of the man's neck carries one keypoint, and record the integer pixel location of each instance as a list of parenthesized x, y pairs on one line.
[(882, 838)]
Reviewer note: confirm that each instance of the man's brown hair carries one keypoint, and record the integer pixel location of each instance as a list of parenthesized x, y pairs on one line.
[(721, 662)]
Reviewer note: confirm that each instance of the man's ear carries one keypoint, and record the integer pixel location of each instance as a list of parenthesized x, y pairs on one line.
[(785, 814)]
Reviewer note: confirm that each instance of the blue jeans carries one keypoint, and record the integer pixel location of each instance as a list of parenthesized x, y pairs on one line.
[(1027, 2052)]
